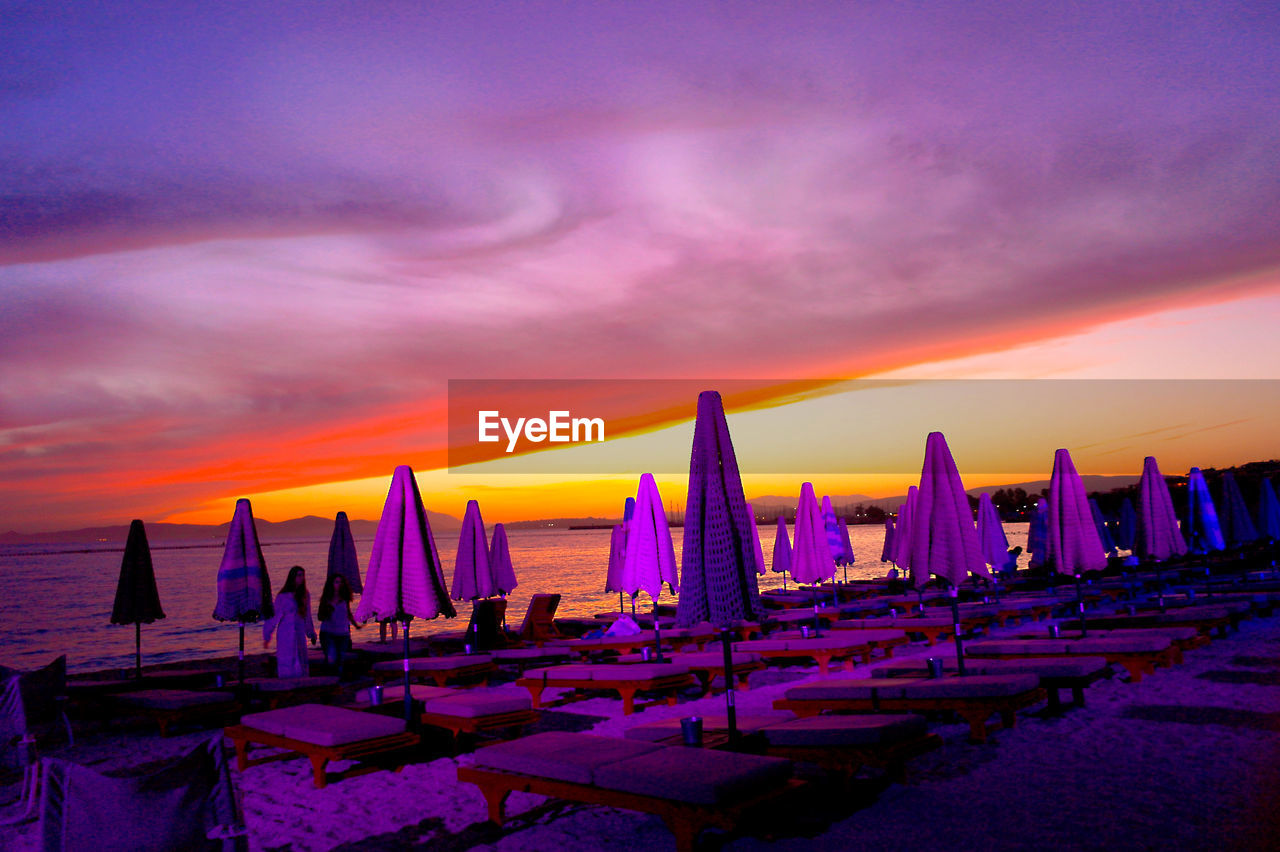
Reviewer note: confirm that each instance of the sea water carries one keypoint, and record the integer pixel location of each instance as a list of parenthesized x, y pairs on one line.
[(59, 596)]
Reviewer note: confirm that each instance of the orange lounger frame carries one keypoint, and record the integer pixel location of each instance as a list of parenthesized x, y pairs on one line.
[(320, 755)]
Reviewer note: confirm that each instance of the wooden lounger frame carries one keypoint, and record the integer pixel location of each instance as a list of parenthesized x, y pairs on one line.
[(822, 656), (847, 760), (320, 755), (974, 710), (686, 820), (458, 725), (741, 671), (627, 688), (440, 677)]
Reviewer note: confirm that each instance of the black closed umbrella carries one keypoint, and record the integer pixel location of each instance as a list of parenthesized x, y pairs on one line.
[(137, 599)]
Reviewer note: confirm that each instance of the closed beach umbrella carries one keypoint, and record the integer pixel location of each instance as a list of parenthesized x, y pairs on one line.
[(902, 528), (1237, 525), (781, 552), (617, 558), (1203, 531), (342, 555), (137, 599), (761, 569), (1104, 531), (1126, 526), (811, 560), (718, 562), (845, 543), (1268, 510), (1072, 545), (471, 578), (1037, 532), (832, 527), (943, 540), (991, 537), (886, 550), (500, 567), (651, 558), (244, 591), (1157, 537), (404, 579)]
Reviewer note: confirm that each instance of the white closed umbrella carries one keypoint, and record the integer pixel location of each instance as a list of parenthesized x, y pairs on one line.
[(651, 557)]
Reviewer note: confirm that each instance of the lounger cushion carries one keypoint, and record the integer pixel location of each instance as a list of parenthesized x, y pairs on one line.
[(571, 671), (524, 654), (664, 728), (715, 659), (173, 699), (836, 731), (322, 725), (637, 671), (476, 704), (417, 691), (1046, 667), (719, 777), (565, 756)]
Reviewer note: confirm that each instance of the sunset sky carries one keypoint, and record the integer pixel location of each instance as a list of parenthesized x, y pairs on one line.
[(245, 246)]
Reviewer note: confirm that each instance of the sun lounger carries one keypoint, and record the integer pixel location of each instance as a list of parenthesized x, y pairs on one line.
[(168, 706), (1055, 673), (975, 697), (706, 666), (439, 670), (524, 658), (471, 711), (633, 776), (1205, 619), (1183, 638), (837, 743), (539, 625), (930, 628), (323, 734), (1140, 655), (625, 679)]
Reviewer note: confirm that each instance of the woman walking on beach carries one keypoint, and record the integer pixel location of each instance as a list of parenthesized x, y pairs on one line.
[(336, 621), (292, 624)]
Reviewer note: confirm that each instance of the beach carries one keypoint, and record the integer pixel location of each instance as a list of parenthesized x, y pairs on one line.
[(1188, 758)]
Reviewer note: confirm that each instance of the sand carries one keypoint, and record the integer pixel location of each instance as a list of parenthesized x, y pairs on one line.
[(1186, 759)]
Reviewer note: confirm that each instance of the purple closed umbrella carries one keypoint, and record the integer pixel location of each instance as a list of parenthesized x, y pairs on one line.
[(244, 591), (1268, 510), (137, 599), (342, 555), (1037, 533), (718, 562), (1072, 546), (404, 579), (651, 558), (1157, 537), (1104, 532), (1126, 526), (902, 529), (761, 568), (500, 567), (832, 526), (471, 577), (886, 550), (1237, 524), (846, 545), (991, 537), (1202, 531), (943, 540), (781, 552), (617, 557), (811, 560)]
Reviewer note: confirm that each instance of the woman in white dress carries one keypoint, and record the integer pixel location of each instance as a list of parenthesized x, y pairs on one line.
[(292, 626)]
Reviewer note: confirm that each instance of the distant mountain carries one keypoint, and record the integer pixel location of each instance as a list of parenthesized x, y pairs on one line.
[(310, 526), (562, 523)]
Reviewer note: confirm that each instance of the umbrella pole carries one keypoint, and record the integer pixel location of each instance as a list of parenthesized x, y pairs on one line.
[(408, 696), (622, 607), (784, 581), (137, 648), (954, 593), (817, 624), (1084, 630), (657, 630), (731, 710), (242, 653)]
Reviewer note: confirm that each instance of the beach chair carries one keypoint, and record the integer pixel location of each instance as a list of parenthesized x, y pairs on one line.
[(631, 775), (471, 711), (975, 698), (32, 708), (539, 623), (189, 805), (323, 734), (824, 650), (1055, 673), (625, 679)]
